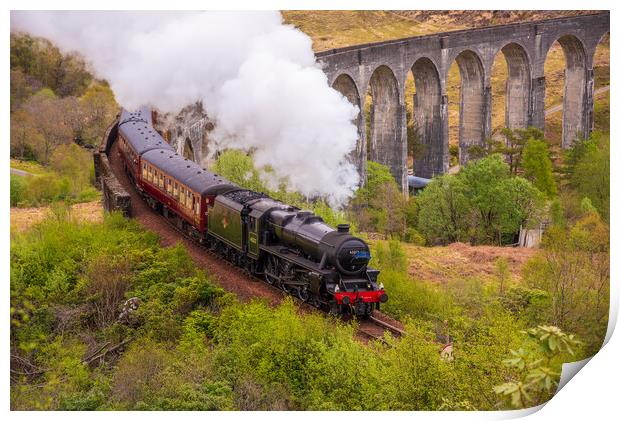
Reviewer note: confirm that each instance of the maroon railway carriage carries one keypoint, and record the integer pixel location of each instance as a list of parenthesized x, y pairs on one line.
[(182, 187), (136, 136)]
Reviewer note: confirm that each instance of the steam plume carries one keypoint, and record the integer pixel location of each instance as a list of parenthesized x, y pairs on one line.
[(255, 76)]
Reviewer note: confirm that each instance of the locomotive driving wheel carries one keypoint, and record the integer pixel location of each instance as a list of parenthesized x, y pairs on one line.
[(270, 270), (303, 294)]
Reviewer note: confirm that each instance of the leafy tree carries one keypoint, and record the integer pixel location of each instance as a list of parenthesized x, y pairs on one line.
[(27, 142), (75, 163), (49, 118), (537, 166), (47, 66), (98, 109), (444, 210), (482, 204), (591, 172), (380, 205), (510, 144), (515, 143), (238, 167), (20, 89)]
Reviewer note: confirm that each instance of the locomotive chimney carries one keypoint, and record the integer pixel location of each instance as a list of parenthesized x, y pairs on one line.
[(343, 227)]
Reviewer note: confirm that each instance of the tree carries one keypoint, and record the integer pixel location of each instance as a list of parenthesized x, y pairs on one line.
[(444, 210), (44, 63), (523, 206), (20, 89), (537, 166), (75, 163), (98, 107), (591, 172), (380, 205), (482, 204), (26, 141), (487, 195), (49, 117), (515, 142), (238, 167)]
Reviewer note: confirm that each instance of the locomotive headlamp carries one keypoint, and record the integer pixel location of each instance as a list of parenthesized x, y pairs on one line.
[(381, 287), (336, 288), (346, 300)]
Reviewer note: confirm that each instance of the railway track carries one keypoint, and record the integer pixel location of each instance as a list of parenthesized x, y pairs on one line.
[(375, 329)]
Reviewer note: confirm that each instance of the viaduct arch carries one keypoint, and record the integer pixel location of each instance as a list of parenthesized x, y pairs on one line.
[(381, 69)]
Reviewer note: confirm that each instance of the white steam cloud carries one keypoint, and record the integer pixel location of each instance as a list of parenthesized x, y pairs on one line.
[(257, 77)]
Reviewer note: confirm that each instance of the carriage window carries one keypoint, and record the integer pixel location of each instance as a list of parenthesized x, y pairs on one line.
[(161, 180), (169, 185), (182, 199), (198, 205), (176, 189), (144, 172)]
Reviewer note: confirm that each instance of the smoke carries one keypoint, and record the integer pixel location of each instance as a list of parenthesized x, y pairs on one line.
[(256, 77)]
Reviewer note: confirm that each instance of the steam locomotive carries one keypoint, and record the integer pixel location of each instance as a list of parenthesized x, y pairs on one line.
[(290, 248)]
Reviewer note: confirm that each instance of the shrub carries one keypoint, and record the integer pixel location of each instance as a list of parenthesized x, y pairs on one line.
[(17, 189)]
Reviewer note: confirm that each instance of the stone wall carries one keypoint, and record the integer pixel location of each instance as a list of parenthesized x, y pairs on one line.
[(115, 197)]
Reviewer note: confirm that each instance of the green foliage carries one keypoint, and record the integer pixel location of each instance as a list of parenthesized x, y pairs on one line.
[(588, 168), (380, 206), (510, 144), (444, 210), (238, 167), (537, 166), (55, 102), (70, 178), (17, 189), (573, 271), (38, 58), (481, 204), (537, 377)]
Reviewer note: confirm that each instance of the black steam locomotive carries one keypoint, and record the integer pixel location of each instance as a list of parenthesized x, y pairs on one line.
[(290, 248)]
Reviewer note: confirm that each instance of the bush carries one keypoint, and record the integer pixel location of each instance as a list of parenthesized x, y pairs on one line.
[(413, 236), (18, 185)]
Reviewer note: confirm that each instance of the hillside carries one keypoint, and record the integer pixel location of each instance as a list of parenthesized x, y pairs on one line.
[(340, 28)]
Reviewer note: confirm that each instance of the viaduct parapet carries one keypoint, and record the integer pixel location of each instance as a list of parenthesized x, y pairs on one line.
[(381, 69)]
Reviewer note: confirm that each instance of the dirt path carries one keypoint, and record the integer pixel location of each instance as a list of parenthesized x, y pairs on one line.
[(226, 276), (20, 172)]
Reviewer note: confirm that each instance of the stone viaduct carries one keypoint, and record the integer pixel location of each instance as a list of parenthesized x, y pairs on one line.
[(382, 69)]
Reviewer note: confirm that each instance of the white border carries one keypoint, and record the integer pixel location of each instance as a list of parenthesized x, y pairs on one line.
[(593, 391)]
